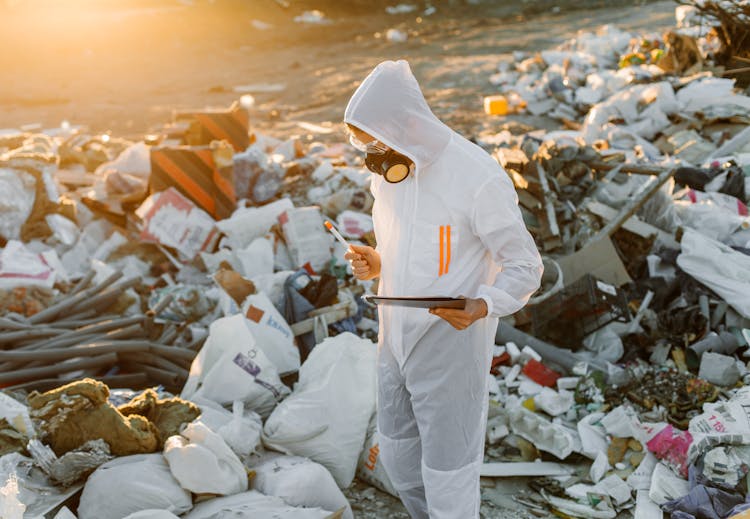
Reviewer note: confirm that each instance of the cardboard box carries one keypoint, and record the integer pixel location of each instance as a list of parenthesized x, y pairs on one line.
[(231, 125), (192, 170)]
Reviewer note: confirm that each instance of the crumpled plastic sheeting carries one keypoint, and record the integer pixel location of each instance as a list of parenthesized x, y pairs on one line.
[(17, 194), (75, 413), (703, 502), (722, 269)]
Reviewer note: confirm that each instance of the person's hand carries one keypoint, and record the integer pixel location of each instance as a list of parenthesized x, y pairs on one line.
[(474, 310), (365, 262)]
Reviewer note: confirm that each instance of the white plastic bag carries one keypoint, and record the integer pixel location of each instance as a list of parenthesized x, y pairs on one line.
[(240, 429), (327, 416), (152, 514), (256, 259), (252, 505), (203, 463), (272, 332), (232, 366), (131, 484), (17, 194), (247, 224), (10, 506), (242, 433), (21, 267), (300, 482), (722, 269)]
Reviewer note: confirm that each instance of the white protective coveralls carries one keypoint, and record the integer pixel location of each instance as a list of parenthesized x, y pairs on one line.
[(452, 228)]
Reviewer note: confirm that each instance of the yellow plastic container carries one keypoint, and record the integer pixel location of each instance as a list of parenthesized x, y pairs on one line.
[(496, 105)]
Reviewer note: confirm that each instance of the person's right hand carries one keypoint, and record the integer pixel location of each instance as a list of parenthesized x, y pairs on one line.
[(365, 262)]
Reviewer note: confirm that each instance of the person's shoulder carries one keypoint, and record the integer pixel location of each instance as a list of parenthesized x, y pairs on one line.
[(478, 167)]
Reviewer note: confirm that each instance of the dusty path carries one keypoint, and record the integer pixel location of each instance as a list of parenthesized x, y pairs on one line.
[(127, 69)]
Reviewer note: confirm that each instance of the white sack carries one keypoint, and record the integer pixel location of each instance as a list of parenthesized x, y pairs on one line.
[(17, 194), (152, 514), (232, 366), (203, 463), (247, 224), (300, 482), (722, 269), (326, 417), (271, 331), (130, 484), (240, 429), (252, 505)]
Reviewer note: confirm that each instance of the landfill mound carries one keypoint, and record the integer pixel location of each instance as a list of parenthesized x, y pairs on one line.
[(181, 336)]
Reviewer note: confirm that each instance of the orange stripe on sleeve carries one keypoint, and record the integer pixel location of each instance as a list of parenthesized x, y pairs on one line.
[(448, 249), (440, 271)]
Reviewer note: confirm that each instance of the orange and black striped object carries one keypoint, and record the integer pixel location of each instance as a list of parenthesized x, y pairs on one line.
[(230, 125), (193, 172)]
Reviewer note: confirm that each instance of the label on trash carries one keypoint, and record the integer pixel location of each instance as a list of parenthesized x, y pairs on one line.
[(254, 313), (246, 362)]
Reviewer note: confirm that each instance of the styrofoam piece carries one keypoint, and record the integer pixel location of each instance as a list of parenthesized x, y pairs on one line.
[(528, 353), (567, 382), (513, 351), (546, 436)]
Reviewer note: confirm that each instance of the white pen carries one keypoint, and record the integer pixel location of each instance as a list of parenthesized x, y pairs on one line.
[(338, 236)]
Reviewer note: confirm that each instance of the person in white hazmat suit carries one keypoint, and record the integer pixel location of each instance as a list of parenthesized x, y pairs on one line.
[(447, 223)]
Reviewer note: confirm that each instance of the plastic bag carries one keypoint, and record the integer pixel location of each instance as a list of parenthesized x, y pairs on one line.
[(10, 506), (717, 266), (233, 366), (242, 433), (300, 482), (17, 195), (272, 332), (131, 484), (152, 514), (203, 463), (247, 224), (327, 416), (21, 267), (241, 429)]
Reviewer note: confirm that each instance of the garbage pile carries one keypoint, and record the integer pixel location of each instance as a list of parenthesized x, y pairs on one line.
[(181, 336)]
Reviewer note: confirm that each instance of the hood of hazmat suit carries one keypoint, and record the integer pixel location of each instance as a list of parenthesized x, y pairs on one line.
[(452, 228)]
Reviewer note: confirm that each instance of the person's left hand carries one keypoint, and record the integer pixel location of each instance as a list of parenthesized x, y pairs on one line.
[(461, 319)]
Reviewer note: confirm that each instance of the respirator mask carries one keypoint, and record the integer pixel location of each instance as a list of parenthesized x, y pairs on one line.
[(383, 161)]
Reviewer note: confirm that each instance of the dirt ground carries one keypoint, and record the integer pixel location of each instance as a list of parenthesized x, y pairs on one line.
[(124, 67)]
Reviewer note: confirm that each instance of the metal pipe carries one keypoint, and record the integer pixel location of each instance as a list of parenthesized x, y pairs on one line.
[(83, 282), (68, 302), (74, 336), (77, 323), (29, 333), (129, 380), (26, 374), (13, 325), (562, 357), (159, 376), (155, 361), (160, 306), (112, 293), (97, 348)]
